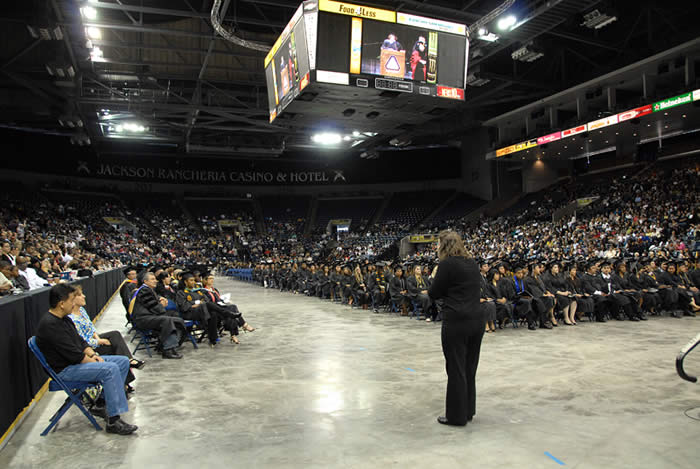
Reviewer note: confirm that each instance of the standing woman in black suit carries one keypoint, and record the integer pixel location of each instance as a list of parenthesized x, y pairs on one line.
[(457, 284)]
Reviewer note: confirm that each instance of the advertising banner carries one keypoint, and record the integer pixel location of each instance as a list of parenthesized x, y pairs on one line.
[(574, 131), (549, 138), (600, 123), (673, 102), (343, 8), (634, 113)]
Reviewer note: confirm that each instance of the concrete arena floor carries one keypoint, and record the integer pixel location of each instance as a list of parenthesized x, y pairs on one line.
[(321, 385)]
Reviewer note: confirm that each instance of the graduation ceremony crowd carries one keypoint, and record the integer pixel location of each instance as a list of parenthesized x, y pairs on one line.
[(630, 254)]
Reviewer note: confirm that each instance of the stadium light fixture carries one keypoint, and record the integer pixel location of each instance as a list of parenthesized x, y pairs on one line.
[(93, 32), (131, 127), (89, 12), (527, 53), (485, 35), (597, 19), (96, 55), (327, 138), (506, 22)]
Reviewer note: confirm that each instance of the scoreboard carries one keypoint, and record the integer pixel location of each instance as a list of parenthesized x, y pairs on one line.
[(346, 44)]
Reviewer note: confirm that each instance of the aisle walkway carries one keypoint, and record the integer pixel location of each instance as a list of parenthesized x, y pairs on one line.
[(321, 385)]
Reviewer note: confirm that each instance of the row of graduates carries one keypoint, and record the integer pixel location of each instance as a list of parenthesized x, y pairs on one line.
[(156, 301), (538, 292), (367, 285)]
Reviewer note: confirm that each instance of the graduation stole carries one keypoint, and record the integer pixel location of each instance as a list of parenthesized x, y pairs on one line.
[(133, 299), (125, 282), (189, 297)]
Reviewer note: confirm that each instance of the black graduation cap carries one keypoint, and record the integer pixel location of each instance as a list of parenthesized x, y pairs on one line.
[(186, 275), (162, 276), (128, 269)]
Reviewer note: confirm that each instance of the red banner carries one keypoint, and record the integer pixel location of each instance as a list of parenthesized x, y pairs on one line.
[(576, 130), (634, 113), (452, 93)]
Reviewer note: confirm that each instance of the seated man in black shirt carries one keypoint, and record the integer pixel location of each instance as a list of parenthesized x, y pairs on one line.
[(73, 360)]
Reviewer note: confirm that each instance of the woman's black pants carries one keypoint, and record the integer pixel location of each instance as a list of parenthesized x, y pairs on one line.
[(461, 345), (117, 347)]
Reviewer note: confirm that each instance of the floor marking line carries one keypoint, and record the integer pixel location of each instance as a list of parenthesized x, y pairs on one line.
[(561, 463)]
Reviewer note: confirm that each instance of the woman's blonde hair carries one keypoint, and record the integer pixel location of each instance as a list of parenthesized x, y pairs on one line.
[(451, 245)]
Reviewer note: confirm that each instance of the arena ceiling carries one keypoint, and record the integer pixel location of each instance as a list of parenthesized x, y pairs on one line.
[(161, 64)]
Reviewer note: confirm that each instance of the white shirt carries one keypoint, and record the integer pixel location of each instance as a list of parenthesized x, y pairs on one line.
[(33, 279)]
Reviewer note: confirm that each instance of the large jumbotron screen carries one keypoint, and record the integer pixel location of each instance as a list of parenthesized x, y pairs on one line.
[(352, 45)]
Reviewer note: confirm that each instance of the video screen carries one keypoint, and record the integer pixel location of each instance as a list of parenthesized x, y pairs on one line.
[(411, 53), (286, 72)]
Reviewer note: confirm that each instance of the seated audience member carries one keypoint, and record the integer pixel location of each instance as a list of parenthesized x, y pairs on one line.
[(336, 283), (6, 254), (417, 287), (398, 292), (74, 360), (359, 288), (165, 290), (516, 292), (504, 309), (487, 303), (33, 280), (543, 301), (109, 343), (346, 285), (584, 302), (556, 283), (5, 283), (617, 300), (593, 286), (192, 304), (11, 272), (228, 313), (148, 312), (376, 284), (127, 288)]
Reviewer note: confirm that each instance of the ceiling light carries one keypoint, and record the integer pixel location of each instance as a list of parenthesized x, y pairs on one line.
[(347, 138), (96, 55), (356, 133), (488, 37), (506, 22), (89, 12), (326, 138), (527, 53), (93, 32), (596, 19)]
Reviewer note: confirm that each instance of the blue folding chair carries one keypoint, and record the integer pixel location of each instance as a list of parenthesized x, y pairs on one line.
[(74, 389), (147, 341), (416, 310)]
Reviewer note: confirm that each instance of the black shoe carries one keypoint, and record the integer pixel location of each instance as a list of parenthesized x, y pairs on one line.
[(130, 389), (634, 318), (139, 364), (601, 320), (444, 421), (643, 317), (675, 314), (688, 313), (99, 411), (120, 427), (531, 326), (470, 418), (546, 325), (171, 353)]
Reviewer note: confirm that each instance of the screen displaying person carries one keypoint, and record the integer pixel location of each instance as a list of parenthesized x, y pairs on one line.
[(392, 43), (419, 57)]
